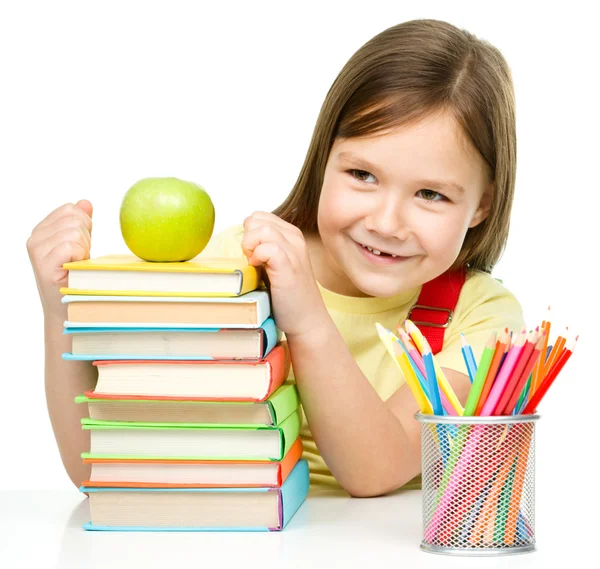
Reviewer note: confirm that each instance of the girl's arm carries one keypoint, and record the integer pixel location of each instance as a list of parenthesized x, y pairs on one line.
[(64, 380), (370, 446), (63, 236)]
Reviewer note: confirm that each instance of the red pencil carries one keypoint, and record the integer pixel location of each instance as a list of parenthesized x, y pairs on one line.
[(547, 381), (522, 380), (516, 373)]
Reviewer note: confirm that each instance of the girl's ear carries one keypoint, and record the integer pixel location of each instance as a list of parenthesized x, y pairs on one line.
[(485, 205)]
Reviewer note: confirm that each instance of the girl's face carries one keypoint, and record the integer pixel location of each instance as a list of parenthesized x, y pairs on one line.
[(395, 208)]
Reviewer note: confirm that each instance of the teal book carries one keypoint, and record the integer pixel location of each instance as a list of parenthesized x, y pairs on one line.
[(198, 509), (123, 343)]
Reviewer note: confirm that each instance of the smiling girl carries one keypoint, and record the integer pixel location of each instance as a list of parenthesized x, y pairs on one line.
[(409, 175)]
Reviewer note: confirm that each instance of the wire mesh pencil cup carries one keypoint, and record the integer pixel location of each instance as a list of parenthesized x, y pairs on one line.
[(478, 484)]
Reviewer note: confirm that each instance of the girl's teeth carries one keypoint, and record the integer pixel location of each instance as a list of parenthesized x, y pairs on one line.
[(376, 252)]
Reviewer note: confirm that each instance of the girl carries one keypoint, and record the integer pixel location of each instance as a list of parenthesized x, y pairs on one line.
[(410, 173)]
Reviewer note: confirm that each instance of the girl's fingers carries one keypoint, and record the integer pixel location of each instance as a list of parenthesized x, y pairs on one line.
[(64, 252), (273, 255), (74, 236), (66, 210), (68, 228), (260, 218), (253, 237)]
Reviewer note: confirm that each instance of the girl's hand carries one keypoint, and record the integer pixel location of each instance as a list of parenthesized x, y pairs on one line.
[(63, 236), (295, 297)]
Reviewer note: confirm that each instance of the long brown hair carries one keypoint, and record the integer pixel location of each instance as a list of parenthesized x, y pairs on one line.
[(401, 75)]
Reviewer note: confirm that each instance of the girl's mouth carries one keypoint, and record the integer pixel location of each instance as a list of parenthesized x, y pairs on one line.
[(379, 257)]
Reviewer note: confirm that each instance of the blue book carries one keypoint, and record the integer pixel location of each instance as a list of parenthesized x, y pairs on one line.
[(198, 509), (123, 343)]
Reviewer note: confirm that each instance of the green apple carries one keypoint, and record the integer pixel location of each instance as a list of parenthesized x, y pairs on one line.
[(166, 219)]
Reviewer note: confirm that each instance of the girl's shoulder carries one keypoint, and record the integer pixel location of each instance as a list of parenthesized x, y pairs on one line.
[(226, 243), (481, 284), (483, 292)]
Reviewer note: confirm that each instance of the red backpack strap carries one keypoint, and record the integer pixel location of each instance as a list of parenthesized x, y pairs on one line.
[(435, 306)]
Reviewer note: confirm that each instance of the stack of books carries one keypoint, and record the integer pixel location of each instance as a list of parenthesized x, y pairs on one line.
[(192, 425)]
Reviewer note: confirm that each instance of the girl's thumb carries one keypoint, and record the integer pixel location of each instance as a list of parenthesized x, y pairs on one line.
[(86, 206)]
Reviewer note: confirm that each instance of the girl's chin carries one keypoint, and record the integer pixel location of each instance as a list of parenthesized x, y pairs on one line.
[(380, 290)]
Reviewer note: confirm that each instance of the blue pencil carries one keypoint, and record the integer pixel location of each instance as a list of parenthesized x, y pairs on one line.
[(434, 390), (469, 358)]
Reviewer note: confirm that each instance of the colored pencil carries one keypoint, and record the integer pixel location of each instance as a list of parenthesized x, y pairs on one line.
[(501, 346), (504, 375), (416, 367), (474, 486), (469, 357), (479, 380), (401, 359), (434, 391), (527, 391), (418, 338), (515, 375), (503, 506), (411, 349), (517, 491), (417, 362), (482, 525), (520, 382), (539, 368), (547, 381), (554, 354)]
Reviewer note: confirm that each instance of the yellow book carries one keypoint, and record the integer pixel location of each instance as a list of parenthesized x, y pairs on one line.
[(126, 275)]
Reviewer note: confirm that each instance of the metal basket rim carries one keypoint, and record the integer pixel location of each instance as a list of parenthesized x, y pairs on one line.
[(476, 420)]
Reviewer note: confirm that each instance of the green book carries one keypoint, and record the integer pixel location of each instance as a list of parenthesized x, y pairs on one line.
[(278, 407), (191, 441)]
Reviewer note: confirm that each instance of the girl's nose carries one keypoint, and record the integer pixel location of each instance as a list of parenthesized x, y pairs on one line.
[(388, 218)]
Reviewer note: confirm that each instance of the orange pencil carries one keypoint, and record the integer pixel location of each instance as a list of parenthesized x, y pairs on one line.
[(502, 346), (510, 528), (484, 526), (554, 354), (539, 367)]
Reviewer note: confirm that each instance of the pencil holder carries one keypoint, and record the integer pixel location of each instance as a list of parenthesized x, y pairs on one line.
[(478, 484)]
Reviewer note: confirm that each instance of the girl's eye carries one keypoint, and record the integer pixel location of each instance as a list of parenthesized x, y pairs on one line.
[(431, 195), (362, 176)]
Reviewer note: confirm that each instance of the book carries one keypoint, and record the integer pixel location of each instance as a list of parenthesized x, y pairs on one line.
[(233, 380), (248, 310), (128, 275), (198, 509), (192, 473), (187, 441), (268, 411), (172, 343)]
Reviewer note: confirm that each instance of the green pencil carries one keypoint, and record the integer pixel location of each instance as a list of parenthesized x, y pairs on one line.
[(482, 371)]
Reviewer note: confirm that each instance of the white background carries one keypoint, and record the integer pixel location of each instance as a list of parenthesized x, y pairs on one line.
[(94, 96)]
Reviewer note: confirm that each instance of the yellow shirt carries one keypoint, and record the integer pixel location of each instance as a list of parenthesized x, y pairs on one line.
[(484, 306)]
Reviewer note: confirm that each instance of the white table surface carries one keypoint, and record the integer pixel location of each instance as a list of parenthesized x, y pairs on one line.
[(43, 529)]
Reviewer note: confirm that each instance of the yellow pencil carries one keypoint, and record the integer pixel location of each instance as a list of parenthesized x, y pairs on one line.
[(405, 366), (418, 339)]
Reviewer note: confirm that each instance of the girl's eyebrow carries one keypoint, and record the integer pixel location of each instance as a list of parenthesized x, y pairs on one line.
[(366, 165), (357, 161), (442, 184)]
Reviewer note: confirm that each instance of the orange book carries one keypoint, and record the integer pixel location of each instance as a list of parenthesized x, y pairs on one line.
[(208, 380), (154, 473)]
